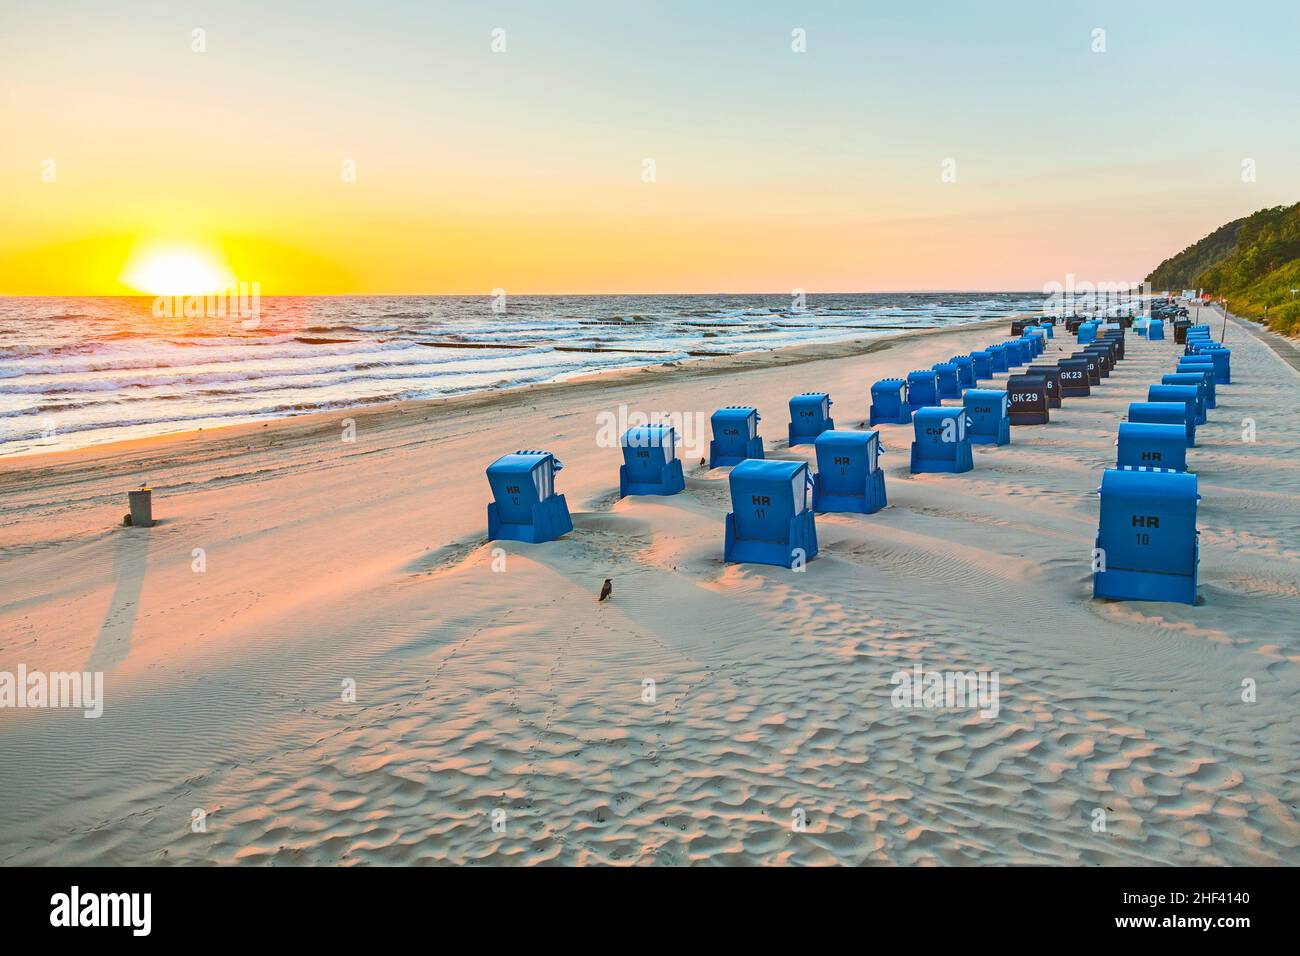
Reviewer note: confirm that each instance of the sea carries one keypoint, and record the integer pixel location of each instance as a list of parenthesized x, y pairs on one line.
[(83, 371)]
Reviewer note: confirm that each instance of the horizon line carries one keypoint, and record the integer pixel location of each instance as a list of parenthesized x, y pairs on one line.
[(489, 294)]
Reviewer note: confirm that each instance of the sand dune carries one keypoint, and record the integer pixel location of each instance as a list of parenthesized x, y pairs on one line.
[(481, 690)]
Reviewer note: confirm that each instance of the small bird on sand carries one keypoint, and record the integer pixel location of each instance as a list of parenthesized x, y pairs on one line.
[(606, 590)]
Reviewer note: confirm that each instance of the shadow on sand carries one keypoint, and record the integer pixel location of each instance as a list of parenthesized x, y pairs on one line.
[(129, 565)]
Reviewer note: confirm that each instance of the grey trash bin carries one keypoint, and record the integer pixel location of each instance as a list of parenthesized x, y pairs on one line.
[(141, 508)]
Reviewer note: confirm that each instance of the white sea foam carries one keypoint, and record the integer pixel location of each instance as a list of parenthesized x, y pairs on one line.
[(83, 371)]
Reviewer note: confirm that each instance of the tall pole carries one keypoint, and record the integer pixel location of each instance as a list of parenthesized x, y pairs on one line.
[(1224, 330)]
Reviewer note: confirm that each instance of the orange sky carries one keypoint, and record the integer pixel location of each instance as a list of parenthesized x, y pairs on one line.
[(524, 169)]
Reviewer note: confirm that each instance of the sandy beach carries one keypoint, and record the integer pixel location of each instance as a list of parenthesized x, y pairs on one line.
[(487, 677)]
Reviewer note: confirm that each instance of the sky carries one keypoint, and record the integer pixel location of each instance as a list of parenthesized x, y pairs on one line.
[(388, 147)]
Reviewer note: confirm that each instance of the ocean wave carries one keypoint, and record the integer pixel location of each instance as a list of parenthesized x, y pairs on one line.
[(98, 366), (315, 376), (13, 432), (352, 328), (107, 360)]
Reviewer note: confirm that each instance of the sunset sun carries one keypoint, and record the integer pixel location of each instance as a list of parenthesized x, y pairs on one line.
[(176, 270)]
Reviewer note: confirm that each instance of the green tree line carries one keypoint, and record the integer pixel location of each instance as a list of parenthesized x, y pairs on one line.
[(1254, 262)]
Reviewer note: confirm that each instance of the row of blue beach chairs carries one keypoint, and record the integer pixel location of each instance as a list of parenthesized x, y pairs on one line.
[(1146, 547), (774, 501)]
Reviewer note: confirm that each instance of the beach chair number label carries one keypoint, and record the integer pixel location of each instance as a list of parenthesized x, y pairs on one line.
[(1145, 521)]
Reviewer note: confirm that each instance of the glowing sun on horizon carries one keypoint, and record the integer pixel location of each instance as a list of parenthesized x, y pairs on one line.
[(176, 270)]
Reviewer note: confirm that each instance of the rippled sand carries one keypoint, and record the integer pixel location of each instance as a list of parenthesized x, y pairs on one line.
[(514, 691)]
